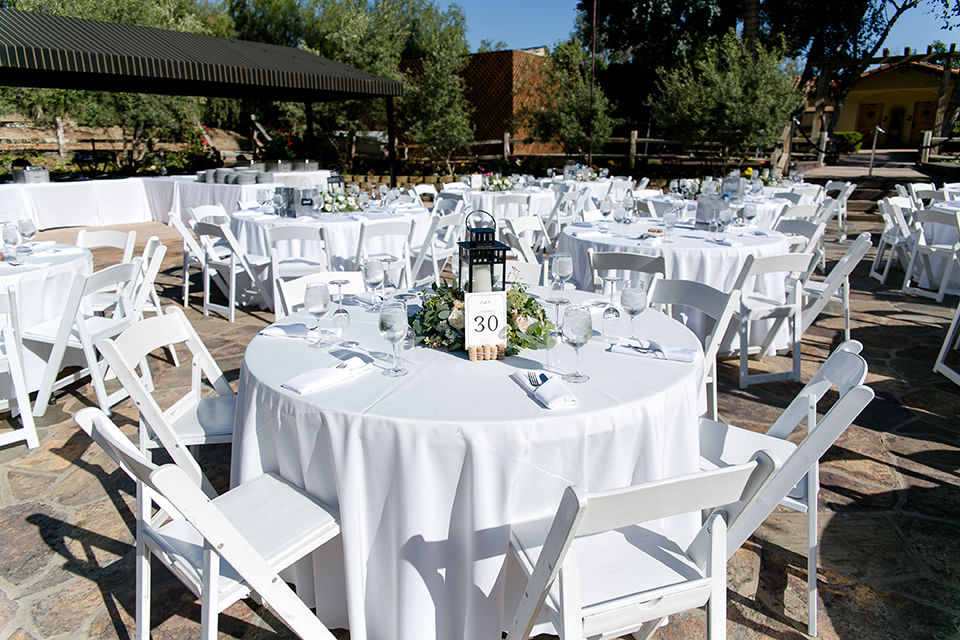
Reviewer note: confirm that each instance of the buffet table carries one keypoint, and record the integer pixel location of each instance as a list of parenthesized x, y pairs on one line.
[(691, 255), (429, 470)]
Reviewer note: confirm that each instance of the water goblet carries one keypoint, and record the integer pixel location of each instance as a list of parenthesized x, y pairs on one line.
[(11, 242), (670, 218), (364, 200), (726, 217), (341, 317), (606, 208), (393, 328), (373, 278), (387, 289), (622, 218), (28, 230), (749, 212), (674, 186), (404, 298), (554, 354), (611, 315), (562, 267), (577, 331), (633, 299), (383, 191), (316, 300)]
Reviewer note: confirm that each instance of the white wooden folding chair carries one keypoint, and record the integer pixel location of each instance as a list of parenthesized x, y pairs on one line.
[(836, 286), (797, 483), (79, 328), (11, 362), (622, 261), (565, 211), (209, 213), (951, 342), (373, 235), (896, 238), (618, 188), (425, 190), (192, 253), (439, 246), (927, 198), (843, 192), (229, 267), (602, 568), (924, 247), (109, 239), (789, 195), (532, 230), (307, 248), (292, 291), (502, 200), (531, 274), (801, 211), (716, 304), (191, 420), (522, 251), (806, 234), (223, 548), (754, 307)]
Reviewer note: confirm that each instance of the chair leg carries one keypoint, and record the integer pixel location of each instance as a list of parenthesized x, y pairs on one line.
[(744, 351), (846, 308), (813, 493), (49, 379), (797, 337), (21, 394), (209, 590), (206, 290), (143, 583)]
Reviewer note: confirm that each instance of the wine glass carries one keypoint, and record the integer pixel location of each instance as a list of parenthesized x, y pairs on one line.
[(383, 192), (674, 187), (393, 329), (341, 317), (28, 230), (749, 212), (562, 267), (611, 315), (622, 217), (364, 199), (316, 300), (577, 330), (404, 298), (388, 289), (373, 277), (606, 208), (11, 238), (726, 217), (670, 217), (633, 299)]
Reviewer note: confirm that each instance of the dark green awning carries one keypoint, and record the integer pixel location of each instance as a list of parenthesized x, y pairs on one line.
[(39, 50)]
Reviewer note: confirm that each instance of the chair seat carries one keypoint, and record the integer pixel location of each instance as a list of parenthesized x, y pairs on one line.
[(759, 307), (297, 267), (210, 421), (97, 325), (282, 523), (623, 569), (816, 289)]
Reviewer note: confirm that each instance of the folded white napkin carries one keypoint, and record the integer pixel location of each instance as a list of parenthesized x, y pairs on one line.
[(551, 394), (583, 224), (651, 242), (317, 379), (296, 330), (581, 233), (757, 233), (41, 245), (359, 218), (727, 242), (651, 349), (367, 297)]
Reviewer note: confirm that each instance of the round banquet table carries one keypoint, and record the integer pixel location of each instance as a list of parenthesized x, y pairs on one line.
[(692, 255), (342, 231), (41, 284), (429, 470), (768, 209), (541, 203)]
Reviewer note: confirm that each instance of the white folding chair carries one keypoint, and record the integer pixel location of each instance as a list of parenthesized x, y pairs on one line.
[(619, 187), (108, 239), (642, 184), (11, 362), (896, 238), (754, 306), (806, 234), (925, 248), (531, 274), (836, 286), (209, 213), (292, 291), (622, 261), (843, 191), (229, 267), (373, 235), (223, 548), (926, 198), (78, 328), (522, 251), (303, 243), (425, 190), (502, 200), (564, 212), (717, 305), (789, 195), (801, 211), (813, 191), (192, 253), (439, 245), (602, 568), (950, 342), (797, 483), (191, 420), (532, 230)]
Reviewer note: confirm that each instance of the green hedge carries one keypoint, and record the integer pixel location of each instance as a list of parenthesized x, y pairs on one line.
[(847, 141)]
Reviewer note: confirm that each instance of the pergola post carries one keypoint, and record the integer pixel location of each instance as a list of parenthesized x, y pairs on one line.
[(391, 144), (308, 110)]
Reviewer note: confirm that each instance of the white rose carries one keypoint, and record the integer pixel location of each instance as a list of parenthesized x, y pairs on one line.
[(456, 319)]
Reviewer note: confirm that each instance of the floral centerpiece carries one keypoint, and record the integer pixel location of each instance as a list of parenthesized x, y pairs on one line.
[(497, 183), (440, 322), (339, 201)]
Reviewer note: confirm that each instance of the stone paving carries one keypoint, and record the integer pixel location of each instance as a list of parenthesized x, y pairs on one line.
[(889, 508)]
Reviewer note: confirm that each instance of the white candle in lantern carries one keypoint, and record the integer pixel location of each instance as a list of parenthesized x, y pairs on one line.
[(481, 279)]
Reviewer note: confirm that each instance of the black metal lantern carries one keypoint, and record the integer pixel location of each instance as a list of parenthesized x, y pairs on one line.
[(483, 260)]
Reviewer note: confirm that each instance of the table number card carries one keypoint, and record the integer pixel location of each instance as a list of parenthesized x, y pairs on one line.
[(486, 318)]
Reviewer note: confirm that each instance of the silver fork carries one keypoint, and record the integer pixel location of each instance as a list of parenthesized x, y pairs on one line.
[(534, 379), (342, 365)]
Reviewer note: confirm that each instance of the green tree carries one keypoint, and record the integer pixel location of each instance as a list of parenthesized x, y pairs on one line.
[(565, 114), (728, 95)]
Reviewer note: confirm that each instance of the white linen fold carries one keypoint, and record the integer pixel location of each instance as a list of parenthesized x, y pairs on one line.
[(551, 392), (651, 349), (317, 379), (296, 330), (651, 242), (726, 242), (369, 298)]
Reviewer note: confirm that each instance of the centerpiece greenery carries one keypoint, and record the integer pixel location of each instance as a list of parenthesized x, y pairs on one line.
[(339, 202), (497, 183), (440, 322)]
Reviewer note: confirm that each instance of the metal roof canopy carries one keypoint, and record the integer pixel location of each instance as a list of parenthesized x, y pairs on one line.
[(40, 50)]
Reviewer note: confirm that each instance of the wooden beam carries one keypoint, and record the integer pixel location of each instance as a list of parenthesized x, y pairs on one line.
[(820, 104)]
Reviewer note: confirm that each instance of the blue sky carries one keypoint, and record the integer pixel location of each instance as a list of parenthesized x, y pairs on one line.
[(532, 23)]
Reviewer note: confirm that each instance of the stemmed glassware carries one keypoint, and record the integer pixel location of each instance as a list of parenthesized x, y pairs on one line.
[(622, 217), (373, 277), (341, 317), (562, 267), (749, 212), (316, 300), (670, 218), (11, 238), (387, 282), (364, 200), (28, 230), (393, 329), (633, 299), (611, 315), (383, 193), (577, 331)]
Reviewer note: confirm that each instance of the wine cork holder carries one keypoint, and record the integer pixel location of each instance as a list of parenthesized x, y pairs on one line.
[(487, 352)]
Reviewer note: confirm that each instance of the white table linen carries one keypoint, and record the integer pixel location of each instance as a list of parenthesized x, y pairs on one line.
[(42, 285), (768, 209), (342, 232), (303, 179), (941, 234), (428, 470), (541, 203), (692, 255), (87, 203)]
